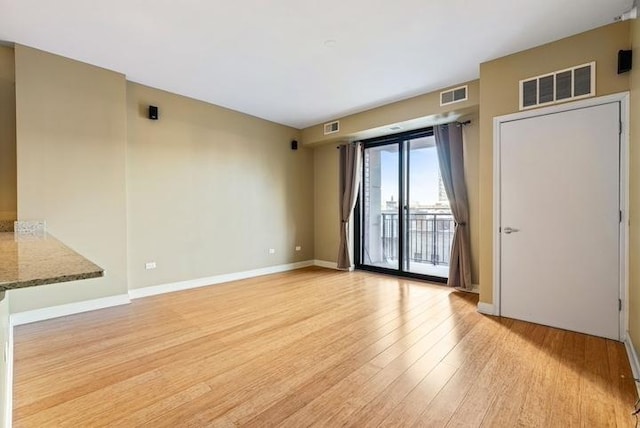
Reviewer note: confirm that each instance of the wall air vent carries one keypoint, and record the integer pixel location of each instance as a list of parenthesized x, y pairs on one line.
[(331, 127), (454, 95), (560, 86)]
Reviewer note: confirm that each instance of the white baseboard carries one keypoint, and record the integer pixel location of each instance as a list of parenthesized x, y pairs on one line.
[(324, 264), (27, 317), (153, 290), (485, 308), (8, 399), (633, 360)]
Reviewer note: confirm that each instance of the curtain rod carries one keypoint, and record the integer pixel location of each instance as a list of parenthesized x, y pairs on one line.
[(465, 123)]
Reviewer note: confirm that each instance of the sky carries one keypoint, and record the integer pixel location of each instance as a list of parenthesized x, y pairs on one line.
[(423, 180)]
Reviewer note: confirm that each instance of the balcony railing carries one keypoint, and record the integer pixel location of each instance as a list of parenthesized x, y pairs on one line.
[(429, 237)]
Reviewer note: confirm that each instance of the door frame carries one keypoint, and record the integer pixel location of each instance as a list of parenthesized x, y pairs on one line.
[(399, 138), (623, 99)]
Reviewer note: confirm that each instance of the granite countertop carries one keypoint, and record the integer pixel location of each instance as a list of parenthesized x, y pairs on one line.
[(27, 261)]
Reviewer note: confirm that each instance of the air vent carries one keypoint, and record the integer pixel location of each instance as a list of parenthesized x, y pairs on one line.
[(331, 127), (563, 85), (454, 95)]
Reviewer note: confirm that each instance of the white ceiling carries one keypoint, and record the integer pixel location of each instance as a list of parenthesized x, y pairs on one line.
[(269, 58)]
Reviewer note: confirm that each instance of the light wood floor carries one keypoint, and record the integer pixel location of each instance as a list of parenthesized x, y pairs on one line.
[(314, 347)]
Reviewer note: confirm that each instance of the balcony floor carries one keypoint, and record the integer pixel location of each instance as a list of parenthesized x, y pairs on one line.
[(440, 271)]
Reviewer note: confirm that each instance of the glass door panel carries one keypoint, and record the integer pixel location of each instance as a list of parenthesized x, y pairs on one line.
[(429, 223), (380, 204)]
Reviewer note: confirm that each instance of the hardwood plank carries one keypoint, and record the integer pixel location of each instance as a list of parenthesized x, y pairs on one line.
[(492, 381), (594, 385), (314, 347), (348, 360), (439, 411), (411, 392), (234, 404), (542, 380), (202, 345), (467, 359), (509, 405), (566, 391), (334, 407)]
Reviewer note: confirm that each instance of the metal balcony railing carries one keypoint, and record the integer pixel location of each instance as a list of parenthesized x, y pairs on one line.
[(429, 237)]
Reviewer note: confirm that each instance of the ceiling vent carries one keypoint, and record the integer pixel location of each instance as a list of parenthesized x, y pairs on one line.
[(331, 127), (454, 95), (560, 86)]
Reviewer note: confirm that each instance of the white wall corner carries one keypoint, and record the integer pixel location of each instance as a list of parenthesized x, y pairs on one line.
[(325, 264), (8, 399), (137, 293), (633, 360), (485, 308), (36, 315)]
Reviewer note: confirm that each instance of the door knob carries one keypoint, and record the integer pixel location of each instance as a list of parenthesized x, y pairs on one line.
[(509, 230)]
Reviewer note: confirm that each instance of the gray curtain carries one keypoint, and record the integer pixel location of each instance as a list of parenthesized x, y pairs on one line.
[(450, 154), (350, 168)]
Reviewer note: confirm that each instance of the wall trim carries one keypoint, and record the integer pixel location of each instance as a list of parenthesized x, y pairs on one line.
[(8, 399), (325, 264), (137, 293), (27, 317), (633, 361), (486, 308)]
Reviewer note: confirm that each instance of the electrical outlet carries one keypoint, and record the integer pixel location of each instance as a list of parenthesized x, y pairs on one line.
[(298, 248), (272, 250), (150, 265)]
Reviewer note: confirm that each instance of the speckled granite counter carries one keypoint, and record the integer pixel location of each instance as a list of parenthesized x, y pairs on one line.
[(27, 261)]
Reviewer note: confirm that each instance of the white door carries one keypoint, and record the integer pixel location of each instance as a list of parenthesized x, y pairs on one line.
[(560, 219)]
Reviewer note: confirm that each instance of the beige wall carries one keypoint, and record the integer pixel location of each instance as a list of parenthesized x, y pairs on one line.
[(413, 113), (499, 96), (210, 190), (202, 191), (7, 135), (71, 146), (634, 193), (327, 211)]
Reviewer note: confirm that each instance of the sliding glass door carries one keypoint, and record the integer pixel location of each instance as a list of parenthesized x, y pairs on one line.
[(380, 195), (403, 222)]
